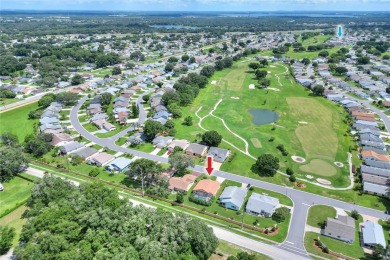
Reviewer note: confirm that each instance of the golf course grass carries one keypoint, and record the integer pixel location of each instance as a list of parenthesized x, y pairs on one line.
[(320, 140)]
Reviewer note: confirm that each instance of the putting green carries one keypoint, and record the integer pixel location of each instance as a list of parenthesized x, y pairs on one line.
[(319, 167)]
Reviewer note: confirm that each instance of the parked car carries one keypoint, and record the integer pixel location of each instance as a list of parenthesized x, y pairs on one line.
[(1, 187), (387, 212)]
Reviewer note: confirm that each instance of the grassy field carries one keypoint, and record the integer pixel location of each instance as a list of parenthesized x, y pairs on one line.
[(16, 192), (16, 121), (146, 147), (226, 249), (292, 103), (15, 220), (318, 214)]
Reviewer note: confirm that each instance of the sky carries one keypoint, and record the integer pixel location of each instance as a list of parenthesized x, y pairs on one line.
[(198, 5)]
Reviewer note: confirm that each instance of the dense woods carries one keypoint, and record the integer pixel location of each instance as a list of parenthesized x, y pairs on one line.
[(92, 222)]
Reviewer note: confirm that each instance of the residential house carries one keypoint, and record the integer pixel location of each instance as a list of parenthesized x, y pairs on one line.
[(182, 184), (233, 197), (371, 155), (375, 184), (259, 204), (183, 144), (373, 234), (206, 189), (84, 152), (119, 164), (196, 149), (341, 228), (218, 154), (137, 138), (101, 159), (162, 141), (61, 139), (70, 147)]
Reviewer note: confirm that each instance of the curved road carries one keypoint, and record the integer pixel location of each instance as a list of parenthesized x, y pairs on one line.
[(302, 200)]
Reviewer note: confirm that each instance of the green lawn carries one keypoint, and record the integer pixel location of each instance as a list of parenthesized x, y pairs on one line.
[(118, 129), (15, 220), (16, 121), (16, 192), (318, 214), (90, 127), (7, 101), (146, 147), (121, 141)]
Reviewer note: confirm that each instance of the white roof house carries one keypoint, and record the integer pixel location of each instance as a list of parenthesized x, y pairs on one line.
[(373, 234)]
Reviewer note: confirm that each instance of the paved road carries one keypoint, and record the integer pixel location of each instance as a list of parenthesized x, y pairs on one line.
[(302, 200)]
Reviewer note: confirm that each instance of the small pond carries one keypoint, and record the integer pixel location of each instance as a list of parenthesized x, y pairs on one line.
[(263, 116)]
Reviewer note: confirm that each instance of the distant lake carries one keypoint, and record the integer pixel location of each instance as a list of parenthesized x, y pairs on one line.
[(172, 26), (263, 116)]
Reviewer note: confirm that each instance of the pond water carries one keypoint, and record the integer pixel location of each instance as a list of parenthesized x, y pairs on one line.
[(263, 116)]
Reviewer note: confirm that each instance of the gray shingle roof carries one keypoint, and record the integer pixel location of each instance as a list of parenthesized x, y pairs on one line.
[(375, 171), (259, 202), (85, 152), (343, 226), (218, 154)]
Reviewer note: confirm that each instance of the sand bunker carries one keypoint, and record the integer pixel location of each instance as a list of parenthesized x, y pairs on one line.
[(303, 123), (235, 97), (274, 89), (323, 181), (213, 82), (298, 159), (252, 86), (339, 164)]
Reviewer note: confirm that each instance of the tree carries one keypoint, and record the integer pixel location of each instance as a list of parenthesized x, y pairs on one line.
[(77, 160), (289, 171), (211, 138), (173, 59), (323, 54), (175, 110), (145, 169), (355, 214), (280, 214), (67, 98), (185, 58), (318, 90), (219, 65), (363, 60), (188, 121), (46, 100), (6, 93), (9, 139), (228, 62), (146, 98), (77, 79), (266, 165), (341, 70), (306, 61), (242, 256), (169, 97), (105, 99), (386, 57), (169, 124), (263, 83), (12, 159), (169, 67), (378, 252), (7, 234), (116, 71), (179, 197), (38, 145), (180, 162), (62, 227), (134, 110), (207, 71), (254, 65), (260, 74), (94, 172), (152, 128)]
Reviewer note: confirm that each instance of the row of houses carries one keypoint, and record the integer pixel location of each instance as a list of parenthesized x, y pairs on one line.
[(232, 197)]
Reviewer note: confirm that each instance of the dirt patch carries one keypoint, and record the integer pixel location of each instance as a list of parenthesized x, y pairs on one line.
[(256, 143), (299, 185)]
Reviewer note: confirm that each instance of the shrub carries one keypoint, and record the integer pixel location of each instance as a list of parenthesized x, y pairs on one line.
[(289, 171), (271, 139), (280, 214), (355, 214), (292, 178)]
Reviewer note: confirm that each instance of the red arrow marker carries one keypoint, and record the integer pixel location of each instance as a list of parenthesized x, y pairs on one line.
[(209, 168)]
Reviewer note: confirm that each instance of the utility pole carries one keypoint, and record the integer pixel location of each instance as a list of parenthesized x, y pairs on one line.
[(142, 182), (242, 220)]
